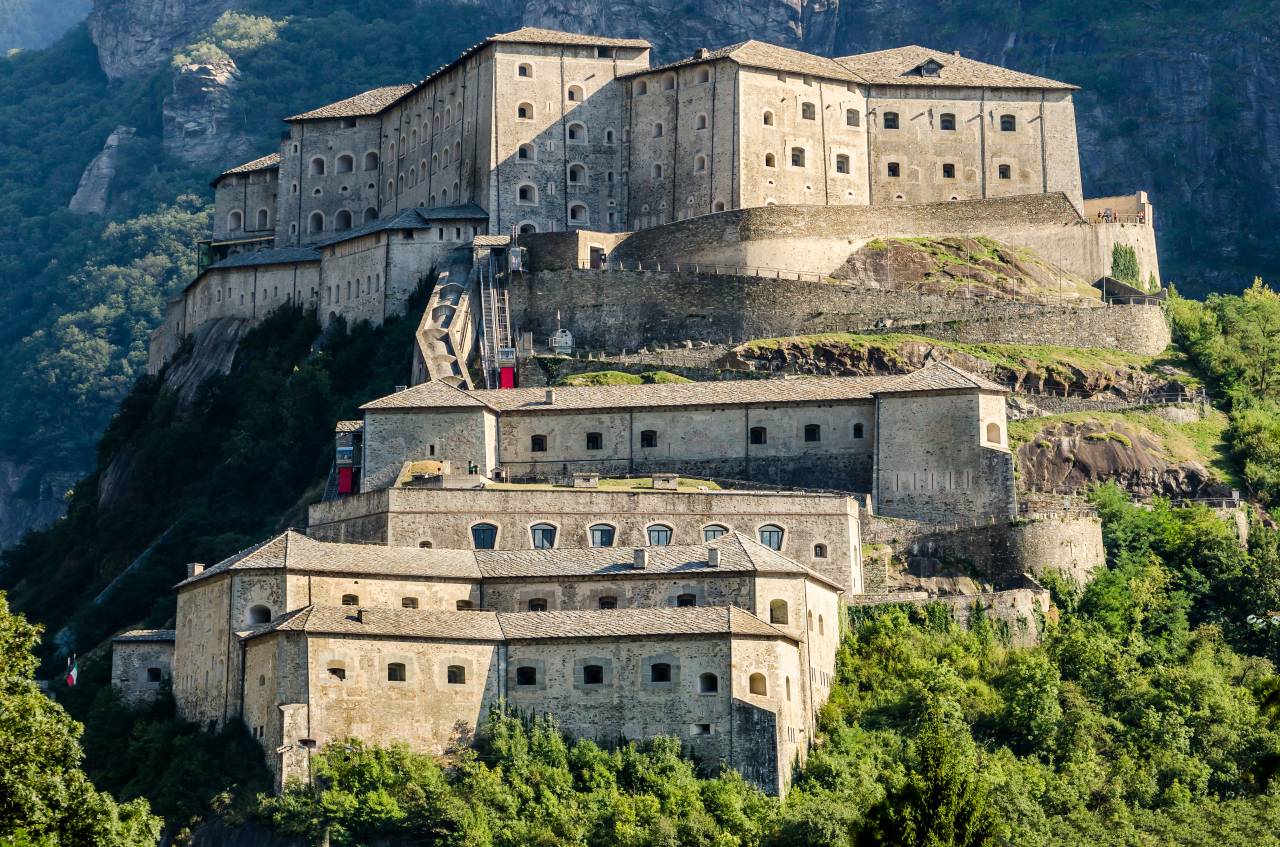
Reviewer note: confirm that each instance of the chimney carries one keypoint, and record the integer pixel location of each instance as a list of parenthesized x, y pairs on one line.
[(194, 569), (701, 53), (551, 396), (642, 558), (713, 557), (955, 52)]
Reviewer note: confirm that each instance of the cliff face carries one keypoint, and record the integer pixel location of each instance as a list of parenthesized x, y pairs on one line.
[(137, 36), (95, 183), (197, 115)]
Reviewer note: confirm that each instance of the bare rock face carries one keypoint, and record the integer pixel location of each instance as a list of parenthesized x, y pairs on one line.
[(197, 114), (1072, 456), (137, 36), (29, 500), (95, 183)]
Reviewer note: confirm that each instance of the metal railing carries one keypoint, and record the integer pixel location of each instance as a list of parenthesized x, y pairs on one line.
[(1113, 218)]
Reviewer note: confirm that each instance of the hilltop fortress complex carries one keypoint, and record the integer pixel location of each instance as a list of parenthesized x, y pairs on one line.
[(638, 559)]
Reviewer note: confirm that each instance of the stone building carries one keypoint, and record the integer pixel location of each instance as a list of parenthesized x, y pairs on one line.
[(820, 531), (946, 453), (141, 663), (728, 645)]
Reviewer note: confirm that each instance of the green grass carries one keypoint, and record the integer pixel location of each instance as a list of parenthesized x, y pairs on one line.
[(637, 484), (596, 378)]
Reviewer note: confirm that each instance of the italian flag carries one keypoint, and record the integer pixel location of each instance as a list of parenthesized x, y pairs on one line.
[(73, 671)]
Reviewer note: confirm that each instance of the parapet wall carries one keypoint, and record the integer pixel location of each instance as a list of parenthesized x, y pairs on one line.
[(1021, 609), (615, 310)]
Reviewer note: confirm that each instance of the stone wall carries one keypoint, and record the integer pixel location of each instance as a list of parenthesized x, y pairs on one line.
[(616, 310), (140, 668), (1021, 609)]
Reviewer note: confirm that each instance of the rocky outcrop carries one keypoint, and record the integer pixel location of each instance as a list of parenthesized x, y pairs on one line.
[(94, 192), (135, 37), (1069, 457), (29, 498), (197, 116)]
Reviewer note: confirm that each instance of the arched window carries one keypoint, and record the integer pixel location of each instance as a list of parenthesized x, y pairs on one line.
[(543, 536), (700, 122), (895, 169), (456, 675), (235, 221), (527, 194), (852, 117), (1006, 172), (1008, 123), (842, 163), (593, 674), (947, 122), (463, 605), (527, 228), (857, 430), (657, 129), (602, 535), (797, 157), (778, 611), (821, 628), (595, 441), (771, 536), (757, 685), (890, 120), (948, 170), (769, 160), (342, 220), (577, 134), (370, 215), (812, 432), (718, 207), (759, 435), (527, 153), (317, 166), (993, 433), (371, 160), (350, 600), (788, 684), (809, 615), (395, 672), (345, 164), (316, 222), (703, 76), (819, 551), (574, 94), (526, 675), (708, 683), (657, 171), (768, 118), (660, 672), (578, 214), (686, 600), (699, 163), (577, 174), (659, 535), (264, 219), (642, 87), (711, 532), (537, 604), (408, 602), (669, 82), (524, 71), (608, 136), (808, 112), (524, 112), (484, 536), (259, 614), (649, 438), (337, 670)]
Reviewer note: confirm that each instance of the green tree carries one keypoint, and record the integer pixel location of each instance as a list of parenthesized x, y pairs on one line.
[(45, 798), (1124, 265)]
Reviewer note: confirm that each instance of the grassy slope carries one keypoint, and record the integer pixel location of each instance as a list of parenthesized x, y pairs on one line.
[(620, 378)]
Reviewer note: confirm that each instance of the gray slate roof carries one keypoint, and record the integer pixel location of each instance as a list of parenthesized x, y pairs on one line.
[(413, 218), (265, 163), (894, 67), (297, 552), (522, 626), (348, 426), (274, 256), (365, 103), (157, 635), (538, 35), (761, 54), (939, 376)]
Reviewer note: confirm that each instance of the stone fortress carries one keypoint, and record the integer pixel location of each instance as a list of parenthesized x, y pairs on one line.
[(636, 559)]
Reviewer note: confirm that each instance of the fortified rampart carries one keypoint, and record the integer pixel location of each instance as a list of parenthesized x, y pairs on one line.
[(1021, 607), (616, 310)]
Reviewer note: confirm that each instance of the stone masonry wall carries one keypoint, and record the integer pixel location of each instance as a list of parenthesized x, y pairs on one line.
[(617, 310)]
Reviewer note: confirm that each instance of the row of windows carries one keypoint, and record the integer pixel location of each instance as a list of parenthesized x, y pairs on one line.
[(542, 536), (235, 220), (947, 122), (894, 170), (344, 164), (342, 220), (649, 437)]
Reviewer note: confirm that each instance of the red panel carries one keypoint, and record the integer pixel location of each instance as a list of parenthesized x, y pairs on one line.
[(507, 377), (344, 481)]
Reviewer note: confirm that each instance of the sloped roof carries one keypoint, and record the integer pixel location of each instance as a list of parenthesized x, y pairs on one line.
[(274, 256), (413, 218), (265, 163), (524, 626), (360, 105), (761, 54), (348, 426), (538, 35), (895, 66), (939, 376), (156, 635), (428, 395)]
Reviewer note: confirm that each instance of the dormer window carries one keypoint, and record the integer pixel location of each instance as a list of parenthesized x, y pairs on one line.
[(932, 67)]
